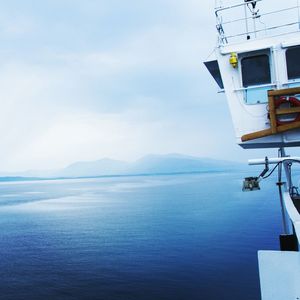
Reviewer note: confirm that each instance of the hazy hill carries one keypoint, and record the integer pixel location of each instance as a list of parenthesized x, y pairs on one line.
[(150, 164), (176, 163), (104, 166)]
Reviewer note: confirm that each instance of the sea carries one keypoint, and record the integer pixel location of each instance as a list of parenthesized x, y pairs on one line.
[(168, 237)]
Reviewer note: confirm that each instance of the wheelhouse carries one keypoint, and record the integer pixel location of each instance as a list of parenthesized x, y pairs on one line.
[(250, 65)]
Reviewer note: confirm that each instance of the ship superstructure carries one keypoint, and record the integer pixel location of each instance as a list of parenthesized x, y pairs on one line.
[(257, 66), (253, 58)]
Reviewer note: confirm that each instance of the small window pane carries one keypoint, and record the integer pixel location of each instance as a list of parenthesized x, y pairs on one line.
[(256, 70), (293, 62)]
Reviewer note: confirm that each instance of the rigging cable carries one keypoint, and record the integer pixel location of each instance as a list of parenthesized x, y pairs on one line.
[(272, 171)]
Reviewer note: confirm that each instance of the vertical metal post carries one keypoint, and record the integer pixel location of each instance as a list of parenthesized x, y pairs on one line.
[(281, 153), (246, 20), (254, 24), (287, 169)]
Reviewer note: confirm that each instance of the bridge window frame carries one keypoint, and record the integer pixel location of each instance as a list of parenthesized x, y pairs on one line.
[(292, 58), (253, 64)]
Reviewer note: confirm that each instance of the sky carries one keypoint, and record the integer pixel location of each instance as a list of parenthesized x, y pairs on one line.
[(84, 80)]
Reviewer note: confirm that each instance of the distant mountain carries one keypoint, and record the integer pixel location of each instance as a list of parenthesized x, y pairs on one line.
[(104, 166), (177, 163), (150, 164)]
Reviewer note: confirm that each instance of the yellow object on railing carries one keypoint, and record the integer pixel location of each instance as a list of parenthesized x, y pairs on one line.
[(233, 60)]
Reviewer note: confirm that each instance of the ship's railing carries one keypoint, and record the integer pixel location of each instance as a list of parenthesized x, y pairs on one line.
[(292, 212), (289, 198), (252, 22)]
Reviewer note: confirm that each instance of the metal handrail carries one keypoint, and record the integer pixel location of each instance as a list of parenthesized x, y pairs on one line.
[(234, 6), (256, 15), (255, 87), (261, 30), (261, 15)]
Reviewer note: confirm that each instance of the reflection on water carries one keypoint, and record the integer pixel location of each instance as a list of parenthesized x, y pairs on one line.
[(160, 237)]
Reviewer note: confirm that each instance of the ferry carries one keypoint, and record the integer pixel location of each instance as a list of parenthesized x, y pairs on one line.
[(256, 64)]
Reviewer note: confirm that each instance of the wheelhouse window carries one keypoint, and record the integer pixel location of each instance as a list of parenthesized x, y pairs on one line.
[(293, 62), (256, 70)]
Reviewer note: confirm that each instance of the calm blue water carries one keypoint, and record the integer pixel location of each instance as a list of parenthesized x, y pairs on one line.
[(161, 237)]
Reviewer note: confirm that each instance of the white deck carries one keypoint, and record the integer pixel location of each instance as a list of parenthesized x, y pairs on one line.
[(279, 273)]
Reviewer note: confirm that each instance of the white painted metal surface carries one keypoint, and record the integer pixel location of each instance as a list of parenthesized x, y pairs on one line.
[(279, 273), (249, 116), (293, 213)]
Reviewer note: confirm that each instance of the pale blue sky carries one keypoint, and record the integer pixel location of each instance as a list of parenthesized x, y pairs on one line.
[(82, 80)]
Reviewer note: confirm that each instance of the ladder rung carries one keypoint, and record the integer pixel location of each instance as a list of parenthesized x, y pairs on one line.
[(291, 110)]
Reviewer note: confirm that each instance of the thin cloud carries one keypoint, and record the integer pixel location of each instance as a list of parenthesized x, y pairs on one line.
[(113, 79)]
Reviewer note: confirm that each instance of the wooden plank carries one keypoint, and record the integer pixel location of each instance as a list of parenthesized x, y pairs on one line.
[(256, 135), (267, 132), (290, 126), (272, 114), (284, 92), (290, 110)]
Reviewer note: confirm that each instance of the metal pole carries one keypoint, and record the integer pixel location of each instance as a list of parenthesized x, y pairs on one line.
[(287, 169), (246, 21), (274, 161), (281, 153), (254, 24)]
